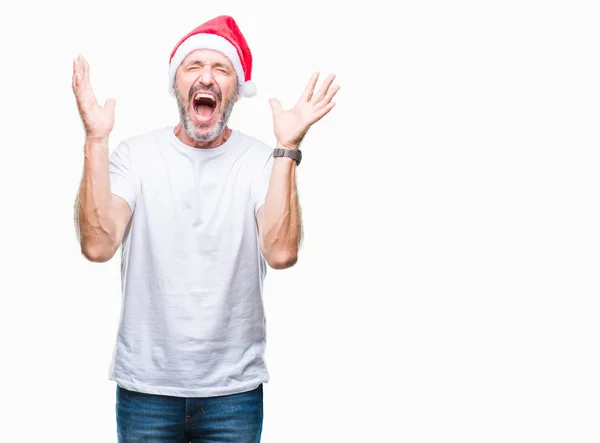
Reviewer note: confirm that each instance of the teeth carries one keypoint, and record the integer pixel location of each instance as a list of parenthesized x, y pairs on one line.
[(200, 95)]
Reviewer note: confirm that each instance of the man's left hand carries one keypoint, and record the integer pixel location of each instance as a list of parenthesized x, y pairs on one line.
[(292, 125)]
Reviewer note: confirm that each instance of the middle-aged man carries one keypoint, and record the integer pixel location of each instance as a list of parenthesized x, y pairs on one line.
[(199, 210)]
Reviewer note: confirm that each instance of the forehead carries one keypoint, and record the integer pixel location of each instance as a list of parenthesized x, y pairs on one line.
[(207, 56)]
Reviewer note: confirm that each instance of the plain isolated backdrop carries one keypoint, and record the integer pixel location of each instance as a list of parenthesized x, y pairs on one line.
[(447, 289)]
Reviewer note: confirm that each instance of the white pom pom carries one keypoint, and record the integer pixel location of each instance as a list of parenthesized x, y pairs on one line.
[(248, 89)]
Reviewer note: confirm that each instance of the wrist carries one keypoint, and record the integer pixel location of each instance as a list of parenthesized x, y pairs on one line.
[(286, 160), (281, 152), (290, 147), (89, 140), (96, 144)]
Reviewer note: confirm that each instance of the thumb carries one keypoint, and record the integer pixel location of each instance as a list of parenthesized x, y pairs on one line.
[(275, 106), (110, 104)]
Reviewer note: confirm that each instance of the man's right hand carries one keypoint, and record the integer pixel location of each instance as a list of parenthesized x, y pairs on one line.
[(98, 121)]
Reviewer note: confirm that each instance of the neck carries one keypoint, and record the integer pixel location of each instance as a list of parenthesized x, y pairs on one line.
[(217, 141)]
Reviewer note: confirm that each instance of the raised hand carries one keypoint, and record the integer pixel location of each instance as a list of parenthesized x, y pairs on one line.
[(291, 125), (98, 121)]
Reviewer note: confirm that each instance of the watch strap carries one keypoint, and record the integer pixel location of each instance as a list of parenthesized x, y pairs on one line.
[(281, 152)]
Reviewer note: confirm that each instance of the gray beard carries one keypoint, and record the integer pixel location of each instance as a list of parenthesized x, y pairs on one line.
[(188, 125)]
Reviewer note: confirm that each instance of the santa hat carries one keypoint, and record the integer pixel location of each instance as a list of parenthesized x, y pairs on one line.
[(220, 34)]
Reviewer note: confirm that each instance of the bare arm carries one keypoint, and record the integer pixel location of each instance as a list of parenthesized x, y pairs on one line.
[(279, 219), (100, 217)]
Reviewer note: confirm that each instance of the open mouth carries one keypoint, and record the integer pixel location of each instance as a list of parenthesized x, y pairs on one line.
[(205, 105)]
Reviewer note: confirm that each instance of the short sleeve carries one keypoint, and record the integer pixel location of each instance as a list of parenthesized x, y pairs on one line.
[(260, 185), (123, 179)]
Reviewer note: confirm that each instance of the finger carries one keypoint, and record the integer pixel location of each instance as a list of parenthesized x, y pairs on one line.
[(310, 87), (81, 67), (330, 94), (77, 77), (86, 84), (275, 106), (324, 88), (74, 79), (77, 67), (110, 104), (86, 71), (323, 112), (79, 73)]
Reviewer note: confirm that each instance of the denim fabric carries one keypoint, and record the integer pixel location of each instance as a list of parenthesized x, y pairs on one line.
[(235, 418)]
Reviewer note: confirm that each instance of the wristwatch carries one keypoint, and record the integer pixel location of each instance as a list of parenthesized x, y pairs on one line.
[(296, 155)]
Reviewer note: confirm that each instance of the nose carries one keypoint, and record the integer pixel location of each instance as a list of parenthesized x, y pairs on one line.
[(206, 76)]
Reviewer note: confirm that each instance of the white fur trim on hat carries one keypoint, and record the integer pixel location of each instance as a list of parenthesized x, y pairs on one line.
[(248, 89), (216, 43)]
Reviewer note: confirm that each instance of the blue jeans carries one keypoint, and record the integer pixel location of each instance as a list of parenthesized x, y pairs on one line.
[(235, 418)]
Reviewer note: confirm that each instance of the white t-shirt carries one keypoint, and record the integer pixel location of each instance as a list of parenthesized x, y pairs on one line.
[(192, 321)]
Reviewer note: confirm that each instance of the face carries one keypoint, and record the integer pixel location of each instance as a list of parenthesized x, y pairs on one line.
[(206, 89)]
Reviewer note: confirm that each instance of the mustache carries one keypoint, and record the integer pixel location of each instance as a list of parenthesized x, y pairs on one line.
[(203, 88)]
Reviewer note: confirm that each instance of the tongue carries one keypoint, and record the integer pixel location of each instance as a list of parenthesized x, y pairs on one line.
[(204, 111)]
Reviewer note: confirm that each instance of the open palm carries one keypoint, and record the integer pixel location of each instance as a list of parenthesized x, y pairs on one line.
[(291, 125), (98, 121)]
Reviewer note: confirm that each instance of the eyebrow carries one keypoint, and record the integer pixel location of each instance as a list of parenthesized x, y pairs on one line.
[(204, 62)]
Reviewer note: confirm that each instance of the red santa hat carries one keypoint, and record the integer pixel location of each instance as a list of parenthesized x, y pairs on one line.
[(220, 34)]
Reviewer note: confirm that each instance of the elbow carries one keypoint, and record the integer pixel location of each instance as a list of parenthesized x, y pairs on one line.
[(97, 253), (282, 260)]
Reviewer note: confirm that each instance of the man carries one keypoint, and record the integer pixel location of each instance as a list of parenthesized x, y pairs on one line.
[(199, 210)]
